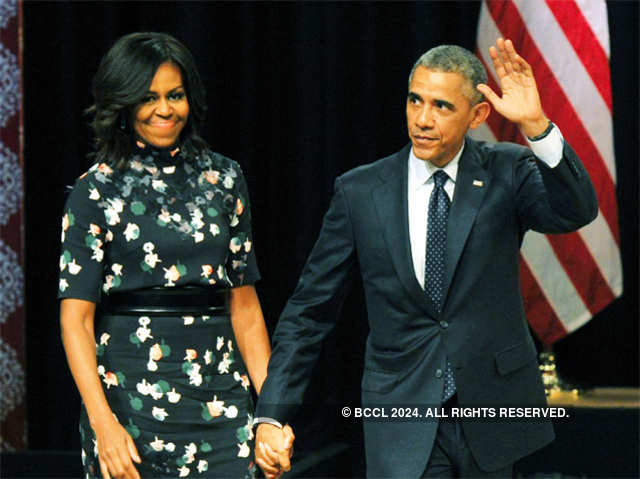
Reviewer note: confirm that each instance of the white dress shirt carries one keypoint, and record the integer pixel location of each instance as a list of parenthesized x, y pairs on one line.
[(420, 185)]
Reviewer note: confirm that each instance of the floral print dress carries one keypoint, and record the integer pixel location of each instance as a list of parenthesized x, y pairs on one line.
[(176, 383)]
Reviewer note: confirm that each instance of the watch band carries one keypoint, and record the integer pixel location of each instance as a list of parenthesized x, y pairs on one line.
[(544, 134)]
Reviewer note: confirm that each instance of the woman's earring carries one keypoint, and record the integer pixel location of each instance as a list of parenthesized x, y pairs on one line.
[(123, 123)]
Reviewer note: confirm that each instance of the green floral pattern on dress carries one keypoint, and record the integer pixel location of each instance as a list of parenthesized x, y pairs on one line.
[(162, 221), (177, 384)]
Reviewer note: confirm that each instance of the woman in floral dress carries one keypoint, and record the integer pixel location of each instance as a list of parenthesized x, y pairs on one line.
[(160, 320)]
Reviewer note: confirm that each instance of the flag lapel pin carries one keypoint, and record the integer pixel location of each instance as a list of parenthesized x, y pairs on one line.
[(477, 183)]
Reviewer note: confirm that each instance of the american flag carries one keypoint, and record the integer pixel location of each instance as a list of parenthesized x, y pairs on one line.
[(566, 279)]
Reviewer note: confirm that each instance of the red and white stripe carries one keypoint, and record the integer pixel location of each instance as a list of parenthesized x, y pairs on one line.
[(566, 279)]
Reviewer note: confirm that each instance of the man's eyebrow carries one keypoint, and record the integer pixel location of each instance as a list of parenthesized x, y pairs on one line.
[(414, 96), (451, 106)]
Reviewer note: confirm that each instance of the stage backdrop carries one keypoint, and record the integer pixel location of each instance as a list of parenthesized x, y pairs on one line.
[(298, 93)]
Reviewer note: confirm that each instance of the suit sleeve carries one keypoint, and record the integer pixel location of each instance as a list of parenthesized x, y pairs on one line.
[(554, 200), (310, 314)]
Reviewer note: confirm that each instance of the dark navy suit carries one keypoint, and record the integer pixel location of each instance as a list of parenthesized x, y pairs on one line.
[(501, 191)]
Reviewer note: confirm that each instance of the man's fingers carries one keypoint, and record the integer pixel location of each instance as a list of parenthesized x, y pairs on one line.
[(289, 437), (488, 93), (266, 467), (511, 51), (268, 460), (281, 457), (519, 64), (273, 449), (285, 463), (288, 433), (497, 62), (269, 469), (269, 454), (273, 476), (504, 56), (524, 66)]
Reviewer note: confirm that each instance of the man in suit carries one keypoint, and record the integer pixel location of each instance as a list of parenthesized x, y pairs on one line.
[(434, 231)]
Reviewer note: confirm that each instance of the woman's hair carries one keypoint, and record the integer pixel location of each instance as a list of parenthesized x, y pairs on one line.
[(122, 81)]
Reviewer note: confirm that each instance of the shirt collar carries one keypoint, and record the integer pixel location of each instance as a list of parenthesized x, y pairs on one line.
[(421, 171), (151, 154)]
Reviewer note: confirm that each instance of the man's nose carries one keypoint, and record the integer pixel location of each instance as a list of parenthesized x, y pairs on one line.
[(425, 118)]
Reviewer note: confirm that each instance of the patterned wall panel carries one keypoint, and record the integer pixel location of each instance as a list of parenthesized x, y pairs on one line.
[(12, 317)]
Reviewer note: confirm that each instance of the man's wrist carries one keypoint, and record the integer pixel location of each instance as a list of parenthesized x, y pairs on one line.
[(544, 134), (267, 420), (537, 129), (549, 148)]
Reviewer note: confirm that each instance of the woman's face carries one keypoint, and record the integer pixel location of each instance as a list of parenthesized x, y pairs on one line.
[(163, 112)]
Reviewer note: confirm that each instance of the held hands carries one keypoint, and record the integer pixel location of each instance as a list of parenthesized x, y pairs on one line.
[(274, 448), (116, 451), (520, 102)]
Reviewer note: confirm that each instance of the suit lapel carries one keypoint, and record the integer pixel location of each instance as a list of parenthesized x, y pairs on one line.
[(471, 183), (390, 200)]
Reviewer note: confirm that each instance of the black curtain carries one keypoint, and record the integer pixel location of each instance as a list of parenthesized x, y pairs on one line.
[(298, 93)]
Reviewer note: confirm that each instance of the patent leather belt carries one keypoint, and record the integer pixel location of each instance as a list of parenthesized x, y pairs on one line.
[(168, 301)]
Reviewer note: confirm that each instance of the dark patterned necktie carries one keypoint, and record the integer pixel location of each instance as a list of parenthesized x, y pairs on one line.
[(434, 261)]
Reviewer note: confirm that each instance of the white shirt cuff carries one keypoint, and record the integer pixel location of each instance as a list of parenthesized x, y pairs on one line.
[(549, 148), (267, 420)]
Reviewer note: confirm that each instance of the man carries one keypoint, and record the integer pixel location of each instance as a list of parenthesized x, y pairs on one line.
[(434, 231)]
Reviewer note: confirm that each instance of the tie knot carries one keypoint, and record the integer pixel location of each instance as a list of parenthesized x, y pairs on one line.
[(440, 178)]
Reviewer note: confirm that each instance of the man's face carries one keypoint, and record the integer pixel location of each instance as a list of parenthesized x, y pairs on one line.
[(439, 114)]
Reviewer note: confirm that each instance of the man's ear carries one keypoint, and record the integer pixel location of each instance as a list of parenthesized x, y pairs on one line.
[(479, 113)]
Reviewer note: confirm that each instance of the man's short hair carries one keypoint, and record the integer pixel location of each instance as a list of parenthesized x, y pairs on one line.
[(455, 59)]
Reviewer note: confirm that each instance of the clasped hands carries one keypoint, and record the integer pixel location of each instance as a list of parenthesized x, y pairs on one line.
[(273, 449)]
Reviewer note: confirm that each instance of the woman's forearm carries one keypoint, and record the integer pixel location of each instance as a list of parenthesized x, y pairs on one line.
[(76, 322), (251, 333)]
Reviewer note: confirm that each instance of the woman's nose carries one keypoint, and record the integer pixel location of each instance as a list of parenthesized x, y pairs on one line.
[(163, 107)]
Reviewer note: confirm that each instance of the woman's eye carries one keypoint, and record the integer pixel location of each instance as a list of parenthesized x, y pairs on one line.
[(149, 99), (177, 96)]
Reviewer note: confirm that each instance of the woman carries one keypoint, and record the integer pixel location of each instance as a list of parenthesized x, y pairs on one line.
[(160, 320)]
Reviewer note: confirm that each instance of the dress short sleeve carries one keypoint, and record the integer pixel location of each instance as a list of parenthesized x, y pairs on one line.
[(83, 238), (241, 264)]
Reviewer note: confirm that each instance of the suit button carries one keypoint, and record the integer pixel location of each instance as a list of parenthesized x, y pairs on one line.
[(438, 373), (444, 324)]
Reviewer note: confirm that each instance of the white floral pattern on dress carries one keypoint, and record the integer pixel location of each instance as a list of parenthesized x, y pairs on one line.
[(164, 222)]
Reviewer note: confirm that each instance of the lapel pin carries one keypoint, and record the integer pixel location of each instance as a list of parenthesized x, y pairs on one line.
[(477, 183)]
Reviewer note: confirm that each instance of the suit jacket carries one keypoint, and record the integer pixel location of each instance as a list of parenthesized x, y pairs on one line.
[(501, 191)]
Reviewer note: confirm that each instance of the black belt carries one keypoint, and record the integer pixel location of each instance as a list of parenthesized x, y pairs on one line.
[(168, 301)]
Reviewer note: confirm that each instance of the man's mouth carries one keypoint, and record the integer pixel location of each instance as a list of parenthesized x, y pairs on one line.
[(424, 138)]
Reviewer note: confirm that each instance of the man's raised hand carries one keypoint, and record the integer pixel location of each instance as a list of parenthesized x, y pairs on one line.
[(520, 101)]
